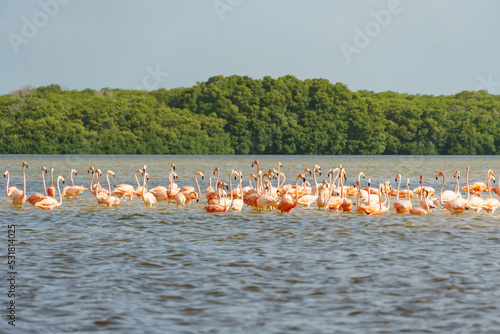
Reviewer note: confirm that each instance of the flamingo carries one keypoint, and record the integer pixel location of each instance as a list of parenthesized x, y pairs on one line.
[(447, 195), (127, 190), (148, 198), (323, 196), (490, 204), (425, 202), (212, 193), (10, 190), (335, 202), (402, 206), (359, 206), (51, 191), (477, 187), (37, 197), (346, 202), (424, 193), (454, 205), (189, 192), (373, 208), (180, 199), (309, 199), (475, 202), (209, 189), (217, 207), (48, 203), (168, 193), (497, 189), (286, 203), (93, 188), (73, 191), (99, 193), (111, 200), (266, 201), (278, 174), (385, 188), (19, 197), (237, 203)]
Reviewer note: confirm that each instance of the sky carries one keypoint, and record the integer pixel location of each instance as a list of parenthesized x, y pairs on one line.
[(418, 47)]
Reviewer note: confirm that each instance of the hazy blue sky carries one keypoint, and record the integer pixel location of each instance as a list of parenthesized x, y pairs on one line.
[(427, 47)]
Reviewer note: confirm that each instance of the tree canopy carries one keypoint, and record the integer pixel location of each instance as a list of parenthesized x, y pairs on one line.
[(241, 115)]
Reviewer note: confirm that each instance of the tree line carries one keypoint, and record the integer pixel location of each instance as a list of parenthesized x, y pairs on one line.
[(241, 115)]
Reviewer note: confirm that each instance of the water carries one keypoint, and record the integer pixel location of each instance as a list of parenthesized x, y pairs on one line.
[(84, 268)]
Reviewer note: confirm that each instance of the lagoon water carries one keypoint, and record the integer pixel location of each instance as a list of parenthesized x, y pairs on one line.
[(85, 268)]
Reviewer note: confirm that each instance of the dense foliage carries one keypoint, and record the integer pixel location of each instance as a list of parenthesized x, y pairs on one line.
[(240, 115)]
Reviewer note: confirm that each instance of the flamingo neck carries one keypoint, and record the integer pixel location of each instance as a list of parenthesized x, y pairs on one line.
[(136, 180), (24, 182), (8, 181), (197, 186), (217, 181), (408, 190), (59, 190), (92, 180), (467, 184), (44, 186), (399, 184), (109, 185), (441, 191), (315, 183)]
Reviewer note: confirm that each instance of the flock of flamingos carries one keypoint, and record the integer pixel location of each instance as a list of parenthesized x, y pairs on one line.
[(330, 194)]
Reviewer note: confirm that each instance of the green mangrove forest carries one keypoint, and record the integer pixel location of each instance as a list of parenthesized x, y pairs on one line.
[(241, 115)]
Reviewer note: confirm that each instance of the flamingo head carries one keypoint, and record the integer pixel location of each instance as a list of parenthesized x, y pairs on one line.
[(91, 169), (318, 169), (302, 176), (25, 164), (44, 169)]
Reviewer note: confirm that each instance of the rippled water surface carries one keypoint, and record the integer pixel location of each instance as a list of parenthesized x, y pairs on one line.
[(131, 269)]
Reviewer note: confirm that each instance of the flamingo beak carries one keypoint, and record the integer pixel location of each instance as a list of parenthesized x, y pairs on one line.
[(202, 177)]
